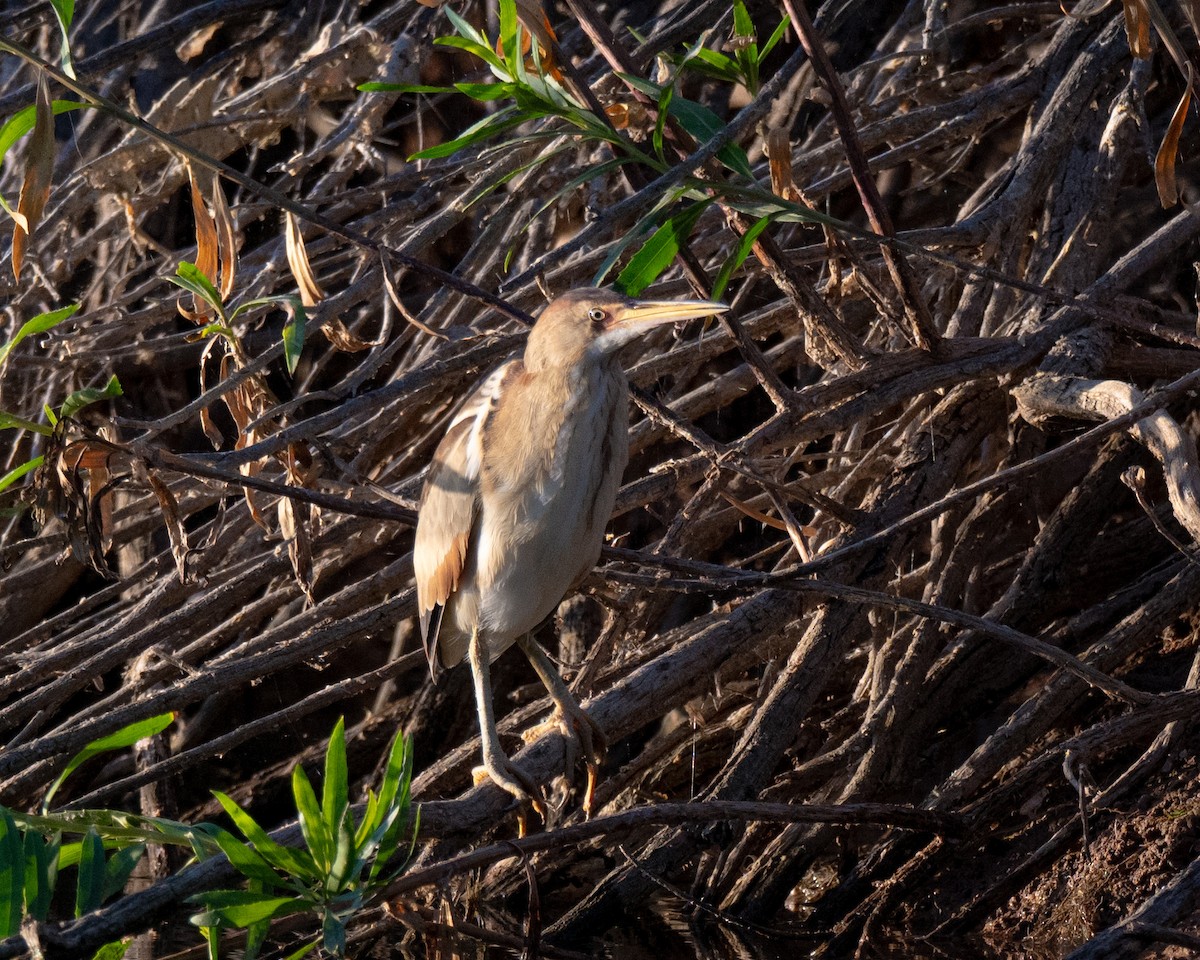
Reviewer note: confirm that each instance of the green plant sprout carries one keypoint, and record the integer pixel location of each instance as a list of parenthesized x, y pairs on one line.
[(190, 278), (535, 95)]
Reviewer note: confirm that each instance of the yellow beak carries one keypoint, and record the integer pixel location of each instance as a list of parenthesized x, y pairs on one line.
[(632, 319)]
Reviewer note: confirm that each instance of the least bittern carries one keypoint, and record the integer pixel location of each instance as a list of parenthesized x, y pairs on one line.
[(517, 498)]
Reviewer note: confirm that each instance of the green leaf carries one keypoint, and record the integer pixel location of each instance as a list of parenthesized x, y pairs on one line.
[(12, 875), (510, 42), (335, 788), (241, 908), (16, 473), (774, 38), (703, 124), (480, 50), (293, 333), (39, 324), (89, 892), (189, 277), (380, 86), (127, 736), (295, 863), (713, 64), (22, 122), (64, 12), (345, 864), (89, 395), (498, 122), (40, 855), (120, 865), (659, 251), (739, 257), (317, 834), (304, 951), (486, 91), (245, 859), (333, 935), (113, 951), (743, 25)]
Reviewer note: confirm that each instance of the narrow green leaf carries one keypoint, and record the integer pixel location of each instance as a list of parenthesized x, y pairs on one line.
[(703, 124), (498, 122), (296, 863), (10, 421), (304, 951), (39, 881), (317, 834), (120, 865), (256, 933), (293, 333), (510, 42), (659, 251), (188, 276), (774, 38), (89, 395), (12, 875), (335, 788), (89, 892), (39, 324), (380, 86), (16, 473), (64, 12), (478, 49), (343, 867), (739, 257), (241, 908), (245, 859), (22, 122), (127, 736), (486, 91)]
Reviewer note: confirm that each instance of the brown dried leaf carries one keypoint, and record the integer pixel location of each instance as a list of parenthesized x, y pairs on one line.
[(1164, 161), (1137, 28), (779, 154), (296, 518), (174, 524), (39, 168), (297, 256), (340, 338), (761, 517), (206, 252), (226, 240), (194, 45)]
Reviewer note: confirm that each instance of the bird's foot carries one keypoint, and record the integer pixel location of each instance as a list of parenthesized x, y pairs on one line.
[(583, 737), (512, 779)]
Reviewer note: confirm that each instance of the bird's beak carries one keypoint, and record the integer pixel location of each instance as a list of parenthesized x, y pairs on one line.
[(631, 319)]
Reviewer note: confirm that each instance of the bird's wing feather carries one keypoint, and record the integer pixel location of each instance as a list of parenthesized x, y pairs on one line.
[(449, 506)]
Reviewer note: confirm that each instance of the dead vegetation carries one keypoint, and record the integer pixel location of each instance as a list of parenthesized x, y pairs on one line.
[(913, 528)]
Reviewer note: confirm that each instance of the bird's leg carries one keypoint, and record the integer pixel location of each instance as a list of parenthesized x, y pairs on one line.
[(578, 727), (496, 764)]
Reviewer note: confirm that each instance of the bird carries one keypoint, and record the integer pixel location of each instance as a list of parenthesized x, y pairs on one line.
[(515, 505)]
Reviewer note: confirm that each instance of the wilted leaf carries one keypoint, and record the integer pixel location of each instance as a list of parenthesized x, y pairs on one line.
[(194, 45), (297, 256), (1168, 152), (39, 168), (779, 154), (340, 337), (176, 531), (207, 257), (1137, 28), (226, 241)]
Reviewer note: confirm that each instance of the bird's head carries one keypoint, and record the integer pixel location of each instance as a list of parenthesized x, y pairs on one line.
[(599, 322)]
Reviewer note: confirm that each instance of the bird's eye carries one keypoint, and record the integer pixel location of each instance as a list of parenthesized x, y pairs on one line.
[(596, 315)]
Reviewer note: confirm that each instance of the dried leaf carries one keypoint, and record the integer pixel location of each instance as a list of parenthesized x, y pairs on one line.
[(194, 45), (1164, 162), (176, 531), (340, 338), (296, 518), (779, 154), (226, 240), (39, 168), (297, 256), (761, 517), (1137, 28), (206, 252)]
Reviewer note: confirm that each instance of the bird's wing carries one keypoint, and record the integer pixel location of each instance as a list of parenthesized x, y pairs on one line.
[(449, 506)]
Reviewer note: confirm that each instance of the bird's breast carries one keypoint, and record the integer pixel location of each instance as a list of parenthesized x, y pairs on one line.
[(545, 507)]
